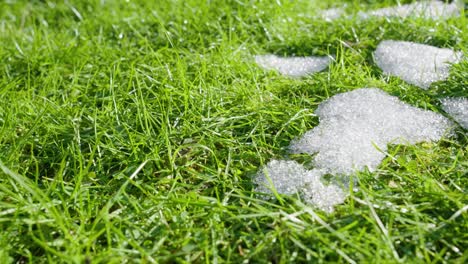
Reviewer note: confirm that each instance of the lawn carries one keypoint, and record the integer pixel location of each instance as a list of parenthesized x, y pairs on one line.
[(130, 132)]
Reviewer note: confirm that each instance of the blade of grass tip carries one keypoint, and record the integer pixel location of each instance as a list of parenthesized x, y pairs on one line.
[(340, 252), (301, 245), (346, 257), (296, 116), (139, 250), (458, 213), (112, 76), (21, 181), (383, 229), (111, 201), (454, 216), (75, 11), (104, 212), (39, 196), (134, 174), (336, 233), (214, 248)]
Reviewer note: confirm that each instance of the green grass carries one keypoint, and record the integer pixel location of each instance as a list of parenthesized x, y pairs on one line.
[(130, 131)]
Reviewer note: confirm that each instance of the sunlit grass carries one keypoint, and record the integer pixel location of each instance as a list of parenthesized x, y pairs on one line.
[(130, 130)]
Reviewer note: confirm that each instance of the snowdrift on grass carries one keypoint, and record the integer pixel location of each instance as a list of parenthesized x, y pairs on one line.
[(354, 131), (293, 66), (418, 64)]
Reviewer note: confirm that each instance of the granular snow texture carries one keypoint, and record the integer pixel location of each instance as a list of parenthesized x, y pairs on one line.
[(418, 64), (355, 128), (457, 107), (292, 66), (427, 9), (290, 177)]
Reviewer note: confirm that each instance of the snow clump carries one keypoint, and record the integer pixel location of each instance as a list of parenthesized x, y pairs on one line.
[(418, 64), (354, 131), (292, 66), (457, 107), (290, 177), (355, 128), (427, 9)]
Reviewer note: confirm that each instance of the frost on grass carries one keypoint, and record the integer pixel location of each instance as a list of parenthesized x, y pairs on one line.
[(457, 107), (293, 66), (290, 177), (354, 131), (418, 64), (355, 128), (426, 9)]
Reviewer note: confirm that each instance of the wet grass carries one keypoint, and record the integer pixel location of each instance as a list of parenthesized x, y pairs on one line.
[(130, 130)]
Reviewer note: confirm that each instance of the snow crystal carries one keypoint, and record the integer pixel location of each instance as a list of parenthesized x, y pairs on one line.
[(292, 66), (415, 63), (289, 177), (428, 9), (457, 107), (355, 128)]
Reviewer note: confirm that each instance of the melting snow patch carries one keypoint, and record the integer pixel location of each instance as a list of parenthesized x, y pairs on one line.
[(415, 63), (289, 177), (458, 109), (354, 130), (427, 9), (293, 66)]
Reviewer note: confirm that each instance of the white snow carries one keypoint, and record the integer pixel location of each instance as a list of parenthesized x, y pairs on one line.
[(427, 9), (457, 107), (354, 131), (423, 9), (293, 66), (418, 64), (290, 177), (355, 128)]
